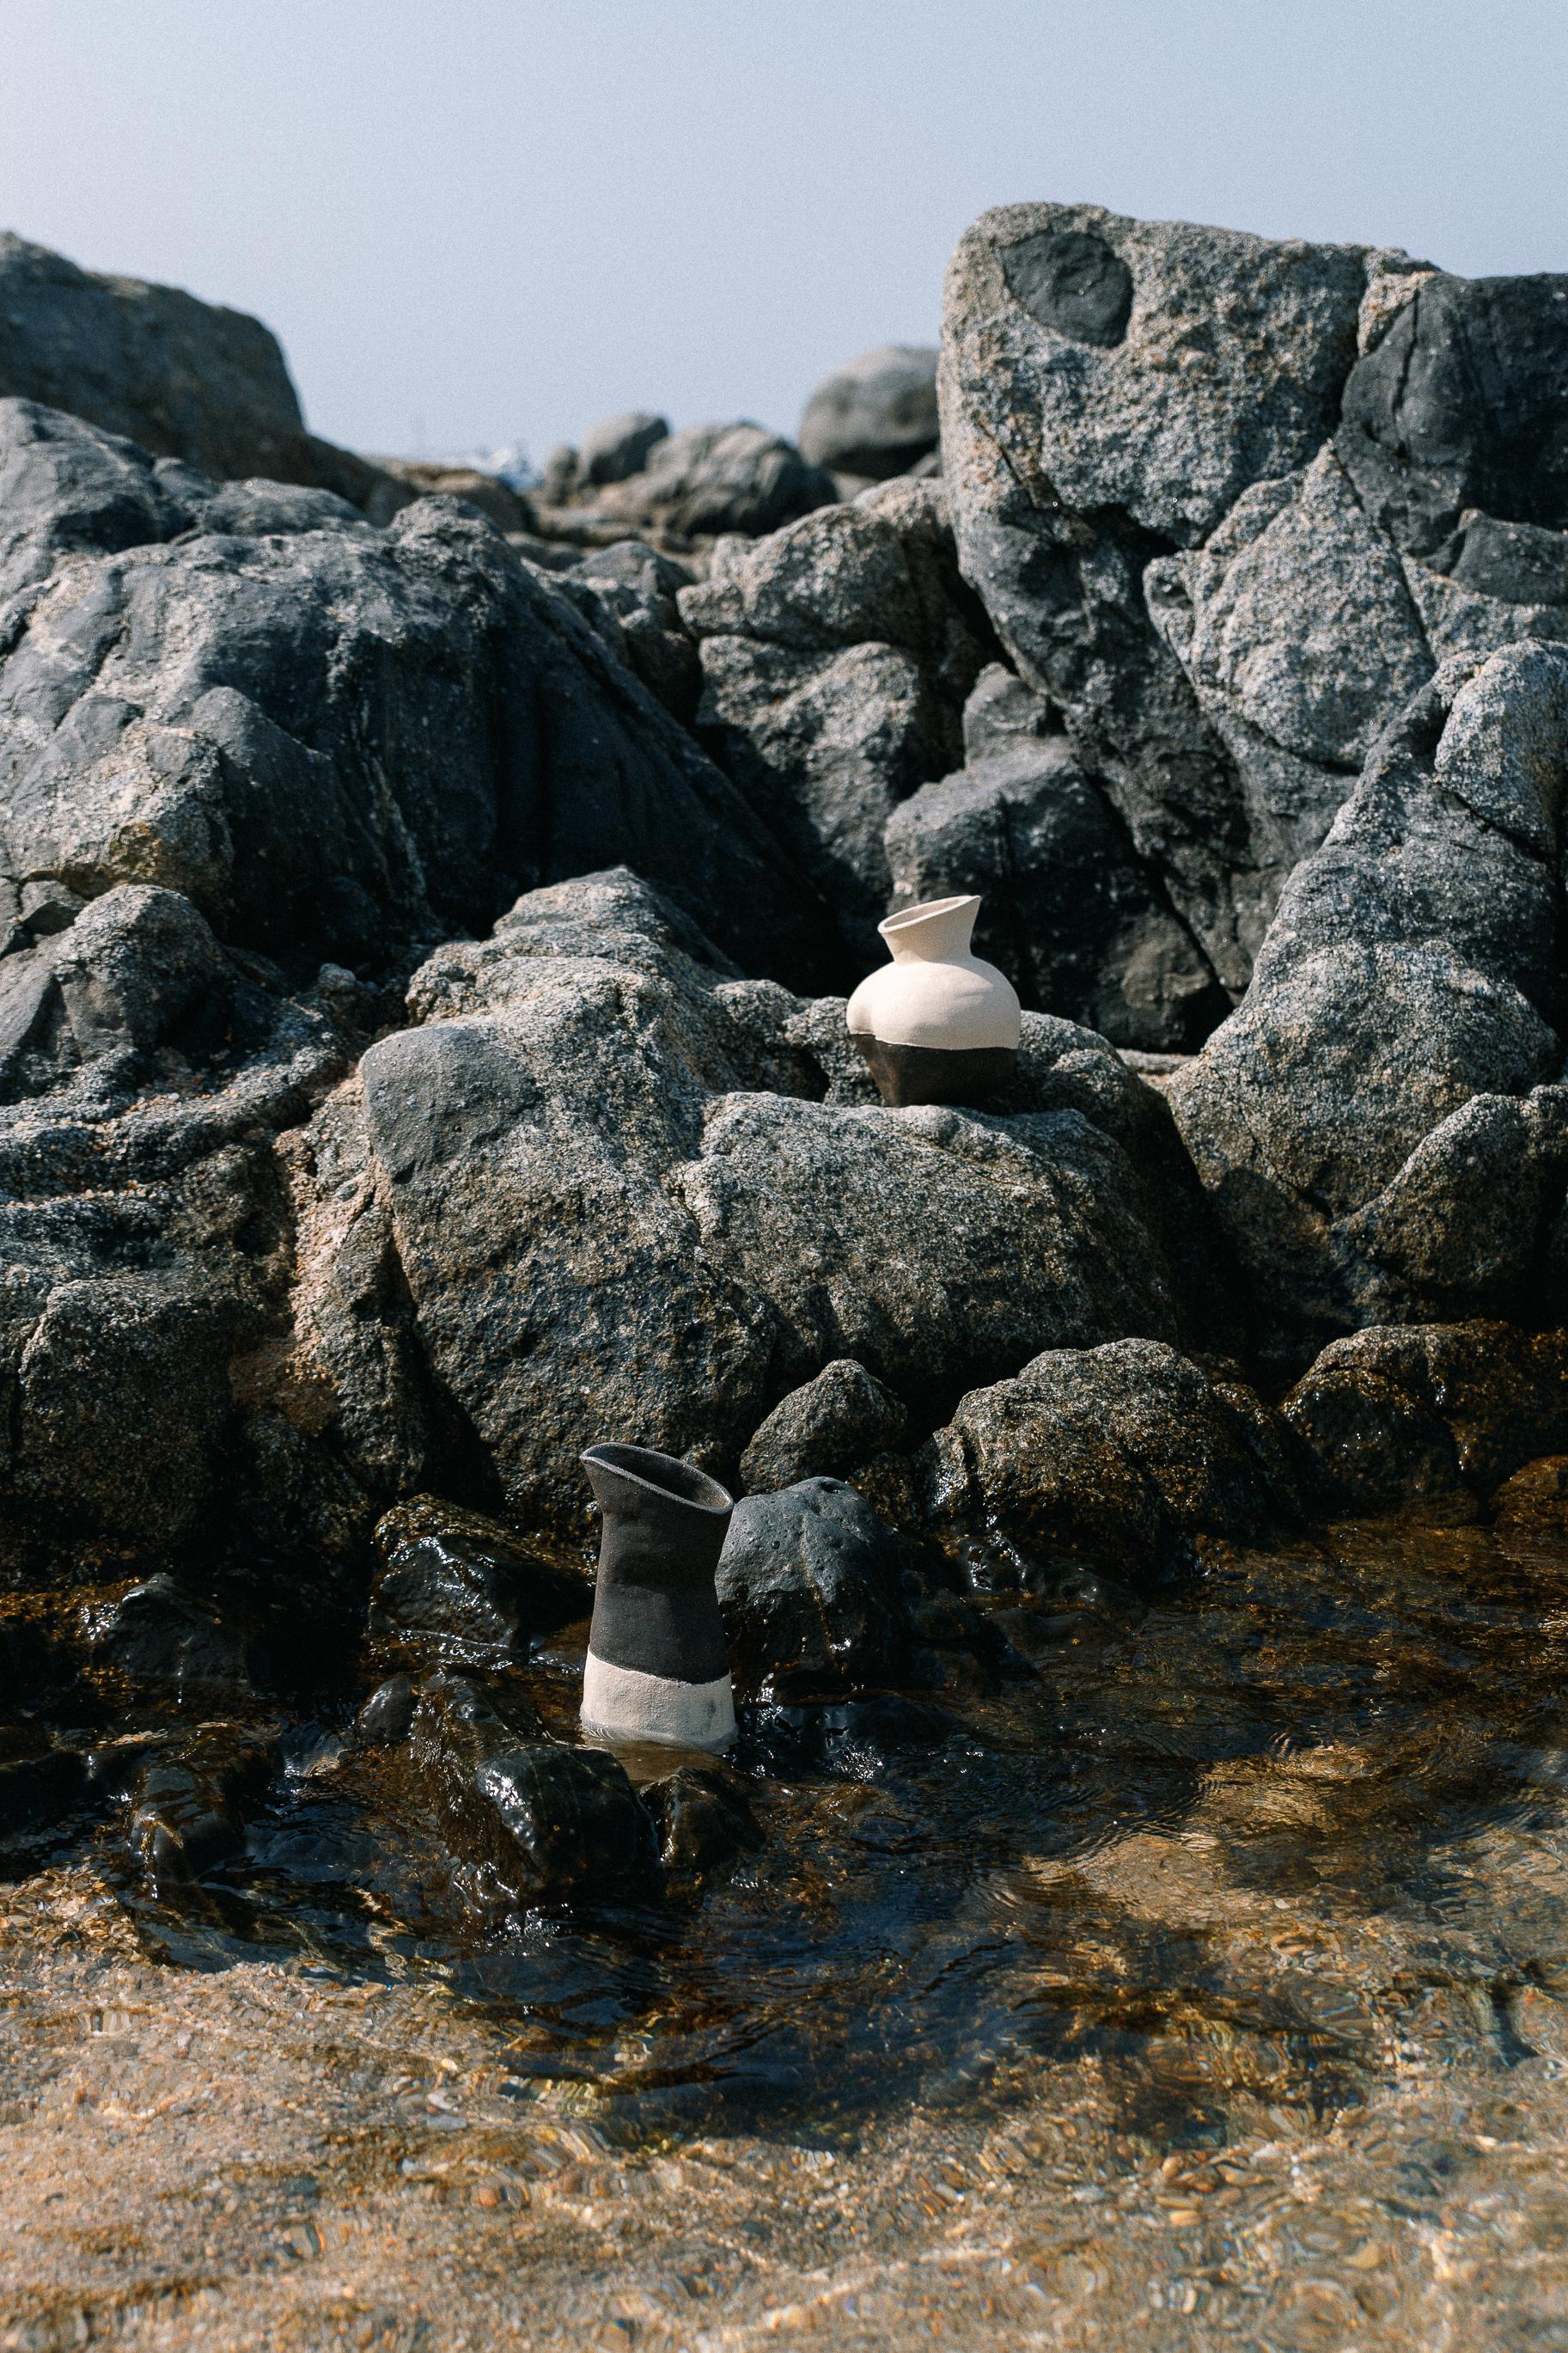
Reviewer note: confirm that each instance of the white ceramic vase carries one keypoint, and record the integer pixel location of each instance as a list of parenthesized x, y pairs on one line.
[(938, 1024)]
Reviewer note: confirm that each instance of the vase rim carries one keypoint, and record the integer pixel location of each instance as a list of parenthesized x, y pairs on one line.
[(660, 1474), (907, 917)]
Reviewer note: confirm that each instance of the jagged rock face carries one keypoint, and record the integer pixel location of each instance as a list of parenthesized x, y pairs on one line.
[(1382, 1124), (614, 1210), (331, 738), (1078, 922), (875, 417), (181, 378), (1230, 501), (835, 656)]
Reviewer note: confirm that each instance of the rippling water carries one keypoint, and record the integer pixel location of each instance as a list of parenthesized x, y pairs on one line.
[(1228, 1847)]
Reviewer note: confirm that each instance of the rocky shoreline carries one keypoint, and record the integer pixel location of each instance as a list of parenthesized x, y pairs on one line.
[(426, 914)]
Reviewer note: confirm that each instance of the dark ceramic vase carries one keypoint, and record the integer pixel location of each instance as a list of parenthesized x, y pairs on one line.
[(659, 1668)]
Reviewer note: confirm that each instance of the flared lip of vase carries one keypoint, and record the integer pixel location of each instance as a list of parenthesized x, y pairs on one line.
[(664, 1475), (892, 927)]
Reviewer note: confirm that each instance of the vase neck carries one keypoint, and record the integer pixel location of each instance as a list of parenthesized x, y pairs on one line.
[(938, 932)]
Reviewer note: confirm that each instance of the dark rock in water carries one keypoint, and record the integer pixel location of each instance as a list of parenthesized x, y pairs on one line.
[(545, 1823), (1381, 1125), (1394, 1413), (876, 415), (1121, 1455), (1535, 1497), (858, 1739), (456, 1590), (388, 1715), (189, 1803), (165, 1643), (810, 1586), (42, 1788), (619, 447), (1076, 921), (184, 379), (704, 1819), (716, 478), (827, 1427)]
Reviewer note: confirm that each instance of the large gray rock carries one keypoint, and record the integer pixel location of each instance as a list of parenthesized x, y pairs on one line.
[(836, 656), (716, 478), (1118, 1456), (876, 415), (1382, 1124), (1078, 922), (334, 739), (613, 1212), (1230, 501), (183, 379)]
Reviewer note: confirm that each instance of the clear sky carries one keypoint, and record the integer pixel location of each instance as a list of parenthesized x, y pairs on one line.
[(474, 222)]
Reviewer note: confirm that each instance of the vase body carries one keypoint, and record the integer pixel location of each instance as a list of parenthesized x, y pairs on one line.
[(659, 1667), (938, 1024)]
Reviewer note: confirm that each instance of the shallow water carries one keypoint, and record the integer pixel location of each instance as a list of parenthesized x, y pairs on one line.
[(1192, 1841), (1241, 1918)]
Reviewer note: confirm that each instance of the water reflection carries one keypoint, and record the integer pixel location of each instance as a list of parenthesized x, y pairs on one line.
[(1223, 1857)]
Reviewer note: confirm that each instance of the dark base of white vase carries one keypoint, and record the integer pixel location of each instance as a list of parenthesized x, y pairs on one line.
[(936, 1075)]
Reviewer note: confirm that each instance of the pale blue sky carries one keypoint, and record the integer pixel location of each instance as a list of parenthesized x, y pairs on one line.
[(472, 223)]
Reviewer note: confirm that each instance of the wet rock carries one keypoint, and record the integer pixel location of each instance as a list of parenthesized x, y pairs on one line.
[(43, 1788), (388, 1715), (828, 1426), (1392, 1414), (189, 1803), (704, 1819), (811, 1591), (716, 478), (1380, 1126), (183, 378), (1075, 919), (619, 447), (1119, 1455), (876, 415), (1535, 1497), (543, 1823), (162, 1642), (859, 1739), (456, 1590), (334, 740), (592, 1191)]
